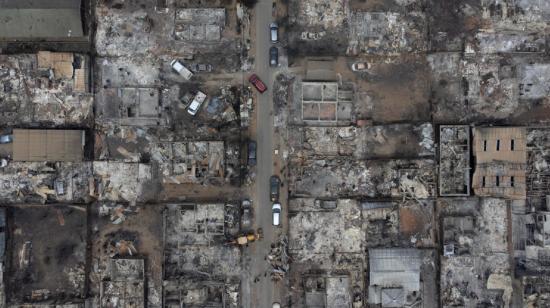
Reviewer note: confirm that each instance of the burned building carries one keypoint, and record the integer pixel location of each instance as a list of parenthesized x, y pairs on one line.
[(327, 240), (45, 166), (313, 34), (190, 162), (122, 182), (322, 103), (326, 245), (389, 32), (129, 93), (399, 224), (41, 182), (199, 270), (454, 160), (476, 251), (537, 167), (124, 286), (397, 178), (46, 90), (176, 162), (199, 24)]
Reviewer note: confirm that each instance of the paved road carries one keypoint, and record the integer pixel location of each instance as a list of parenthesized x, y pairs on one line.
[(263, 291)]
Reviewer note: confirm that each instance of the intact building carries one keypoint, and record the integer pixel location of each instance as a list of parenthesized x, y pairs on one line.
[(45, 145), (501, 160), (23, 20)]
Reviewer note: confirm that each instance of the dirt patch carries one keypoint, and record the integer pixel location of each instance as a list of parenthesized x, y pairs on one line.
[(142, 229), (416, 223), (410, 222), (399, 92), (48, 253)]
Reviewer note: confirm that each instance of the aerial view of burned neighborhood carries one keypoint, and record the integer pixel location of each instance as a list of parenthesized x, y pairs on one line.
[(274, 153)]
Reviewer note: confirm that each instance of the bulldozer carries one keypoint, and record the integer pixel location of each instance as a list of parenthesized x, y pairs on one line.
[(247, 238)]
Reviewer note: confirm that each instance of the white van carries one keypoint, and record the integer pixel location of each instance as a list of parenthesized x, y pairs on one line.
[(196, 103), (181, 69), (274, 32), (276, 209)]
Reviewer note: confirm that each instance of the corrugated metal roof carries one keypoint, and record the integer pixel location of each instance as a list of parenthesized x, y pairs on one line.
[(393, 297), (486, 140), (395, 267), (48, 145)]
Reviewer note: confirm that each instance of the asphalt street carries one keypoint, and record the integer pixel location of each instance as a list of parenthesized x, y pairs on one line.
[(263, 290)]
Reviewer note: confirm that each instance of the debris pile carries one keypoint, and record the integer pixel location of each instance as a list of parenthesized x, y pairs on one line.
[(117, 213), (278, 259), (39, 89), (454, 160)]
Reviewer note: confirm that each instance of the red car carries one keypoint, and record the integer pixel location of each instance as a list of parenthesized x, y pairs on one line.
[(258, 84)]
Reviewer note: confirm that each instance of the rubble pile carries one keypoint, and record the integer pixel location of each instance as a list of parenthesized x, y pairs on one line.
[(45, 93), (454, 160), (117, 213), (538, 173), (279, 259)]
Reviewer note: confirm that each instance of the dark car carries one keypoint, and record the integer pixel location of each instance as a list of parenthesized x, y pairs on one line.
[(246, 214), (257, 83), (273, 56), (274, 184), (252, 153)]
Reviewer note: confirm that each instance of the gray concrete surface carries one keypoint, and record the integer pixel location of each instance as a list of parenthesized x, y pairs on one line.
[(40, 4), (40, 23)]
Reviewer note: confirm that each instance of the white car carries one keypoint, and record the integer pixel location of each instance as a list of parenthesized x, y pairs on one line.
[(181, 69), (196, 103), (360, 66), (276, 209), (274, 32)]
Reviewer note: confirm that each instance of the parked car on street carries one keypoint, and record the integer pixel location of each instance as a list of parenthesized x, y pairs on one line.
[(6, 138), (274, 184), (246, 214), (252, 153), (257, 83), (273, 56), (196, 103), (181, 69), (360, 66), (274, 32), (276, 210)]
